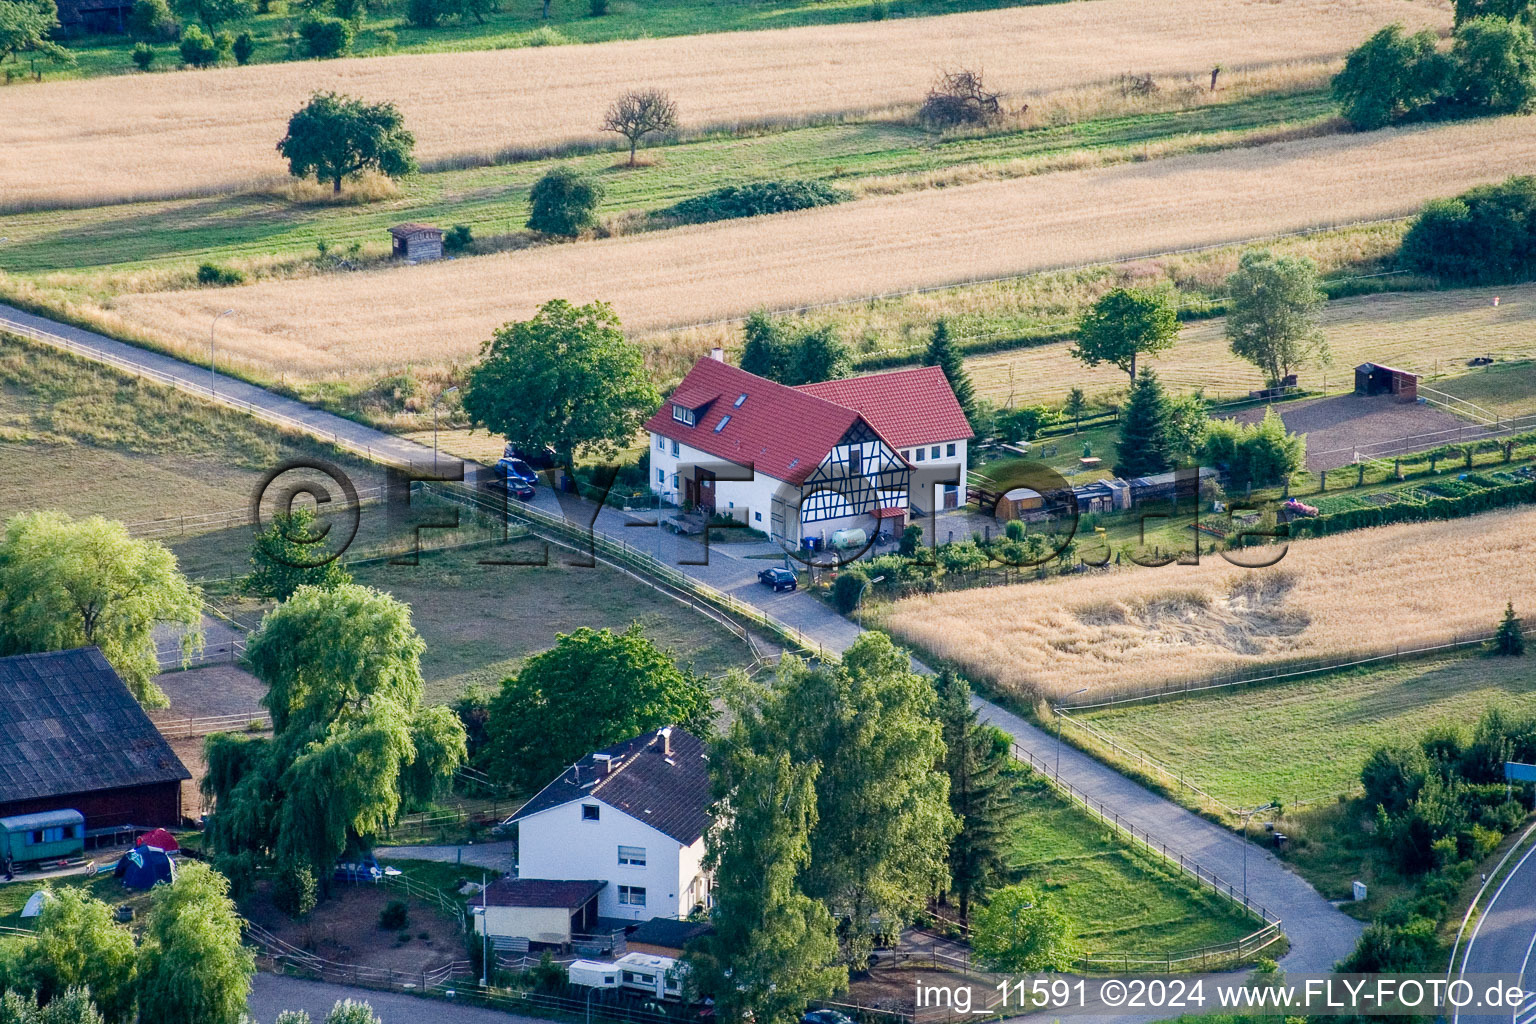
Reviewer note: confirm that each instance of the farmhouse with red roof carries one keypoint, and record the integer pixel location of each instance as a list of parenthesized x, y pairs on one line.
[(802, 463)]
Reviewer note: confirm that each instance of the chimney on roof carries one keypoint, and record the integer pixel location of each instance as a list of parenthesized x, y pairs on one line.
[(606, 760), (666, 741), (717, 354)]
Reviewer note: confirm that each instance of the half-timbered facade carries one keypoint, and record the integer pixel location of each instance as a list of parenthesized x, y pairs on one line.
[(788, 461)]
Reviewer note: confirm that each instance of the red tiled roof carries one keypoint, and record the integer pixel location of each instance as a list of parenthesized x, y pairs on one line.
[(906, 407), (781, 431)]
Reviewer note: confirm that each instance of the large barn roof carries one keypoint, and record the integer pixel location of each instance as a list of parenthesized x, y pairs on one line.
[(69, 725)]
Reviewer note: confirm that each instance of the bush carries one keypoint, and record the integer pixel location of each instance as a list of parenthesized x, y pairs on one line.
[(847, 588), (597, 8), (1261, 454), (959, 98), (911, 540), (458, 238), (213, 274), (1519, 493), (387, 39), (244, 48), (1022, 424), (143, 55), (325, 37), (295, 891), (424, 13), (201, 50), (152, 20), (394, 916), (564, 203), (754, 199)]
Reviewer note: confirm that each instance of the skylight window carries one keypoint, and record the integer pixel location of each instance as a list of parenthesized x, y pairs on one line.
[(723, 421), (739, 399), (793, 463)]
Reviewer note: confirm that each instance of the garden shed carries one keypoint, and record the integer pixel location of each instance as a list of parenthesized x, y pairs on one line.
[(416, 242), (1375, 379)]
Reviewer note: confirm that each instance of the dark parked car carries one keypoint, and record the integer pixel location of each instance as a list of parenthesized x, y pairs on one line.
[(778, 579), (517, 469), (538, 458), (516, 486)]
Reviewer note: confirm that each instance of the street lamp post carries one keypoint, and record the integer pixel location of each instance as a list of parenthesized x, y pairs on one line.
[(1057, 712), (1247, 816), (590, 993), (213, 372), (485, 938), (859, 601), (435, 403)]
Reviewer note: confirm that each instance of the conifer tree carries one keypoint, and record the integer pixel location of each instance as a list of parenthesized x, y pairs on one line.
[(943, 354), (980, 793), (1144, 430), (1509, 639)]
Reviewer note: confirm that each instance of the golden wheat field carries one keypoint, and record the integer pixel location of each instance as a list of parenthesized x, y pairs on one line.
[(1351, 594), (1430, 333), (370, 322), (110, 139)]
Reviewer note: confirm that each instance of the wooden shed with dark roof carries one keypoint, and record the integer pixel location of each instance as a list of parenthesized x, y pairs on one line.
[(416, 242), (72, 736)]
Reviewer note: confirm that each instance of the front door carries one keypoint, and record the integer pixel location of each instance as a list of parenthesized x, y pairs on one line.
[(706, 498), (951, 496)]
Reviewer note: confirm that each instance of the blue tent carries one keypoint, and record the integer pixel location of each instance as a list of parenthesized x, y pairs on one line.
[(144, 868)]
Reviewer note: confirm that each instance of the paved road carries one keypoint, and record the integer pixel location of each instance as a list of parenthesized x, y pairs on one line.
[(271, 994), (1504, 940), (1320, 934)]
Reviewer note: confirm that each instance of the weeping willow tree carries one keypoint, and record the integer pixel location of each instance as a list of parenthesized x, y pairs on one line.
[(352, 742)]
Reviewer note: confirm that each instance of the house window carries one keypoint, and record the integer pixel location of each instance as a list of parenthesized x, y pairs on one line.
[(675, 448), (661, 476), (723, 421), (935, 451), (589, 812), (634, 856), (631, 895), (949, 451), (661, 443), (855, 461), (906, 454), (682, 415), (51, 835), (757, 517), (674, 479), (920, 455)]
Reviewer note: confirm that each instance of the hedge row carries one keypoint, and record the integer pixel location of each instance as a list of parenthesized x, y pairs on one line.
[(1519, 493)]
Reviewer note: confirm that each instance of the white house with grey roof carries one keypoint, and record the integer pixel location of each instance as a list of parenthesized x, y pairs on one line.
[(632, 816)]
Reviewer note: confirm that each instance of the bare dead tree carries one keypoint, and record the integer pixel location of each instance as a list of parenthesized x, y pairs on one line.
[(960, 97), (639, 113)]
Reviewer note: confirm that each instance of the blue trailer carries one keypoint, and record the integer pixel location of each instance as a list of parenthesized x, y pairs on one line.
[(42, 838)]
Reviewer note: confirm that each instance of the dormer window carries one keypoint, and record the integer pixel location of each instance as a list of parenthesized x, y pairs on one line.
[(683, 415)]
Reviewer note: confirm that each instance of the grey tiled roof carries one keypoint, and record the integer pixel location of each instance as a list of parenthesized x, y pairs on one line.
[(670, 793), (69, 725)]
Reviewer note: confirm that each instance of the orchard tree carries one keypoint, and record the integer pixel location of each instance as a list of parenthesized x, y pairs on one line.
[(1022, 929), (943, 354), (593, 689), (1272, 308), (333, 137), (283, 554), (638, 114), (26, 28), (193, 968), (1390, 77), (352, 742), (773, 948), (564, 202), (568, 378), (75, 583), (1122, 325), (976, 760)]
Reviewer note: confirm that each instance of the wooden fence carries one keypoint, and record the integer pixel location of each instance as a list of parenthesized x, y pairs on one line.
[(176, 727)]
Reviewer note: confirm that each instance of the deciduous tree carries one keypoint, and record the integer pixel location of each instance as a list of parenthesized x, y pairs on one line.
[(73, 583), (213, 13), (193, 968), (78, 945), (638, 114), (1272, 306), (25, 31), (593, 689), (1022, 929), (765, 351), (1122, 325), (1494, 66), (1390, 77), (333, 137), (773, 948), (564, 202), (283, 554), (568, 378)]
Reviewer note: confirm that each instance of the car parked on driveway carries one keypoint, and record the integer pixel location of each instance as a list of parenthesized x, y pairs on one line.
[(538, 458), (779, 579), (511, 468)]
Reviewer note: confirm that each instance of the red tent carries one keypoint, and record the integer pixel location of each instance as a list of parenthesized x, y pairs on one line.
[(159, 839)]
